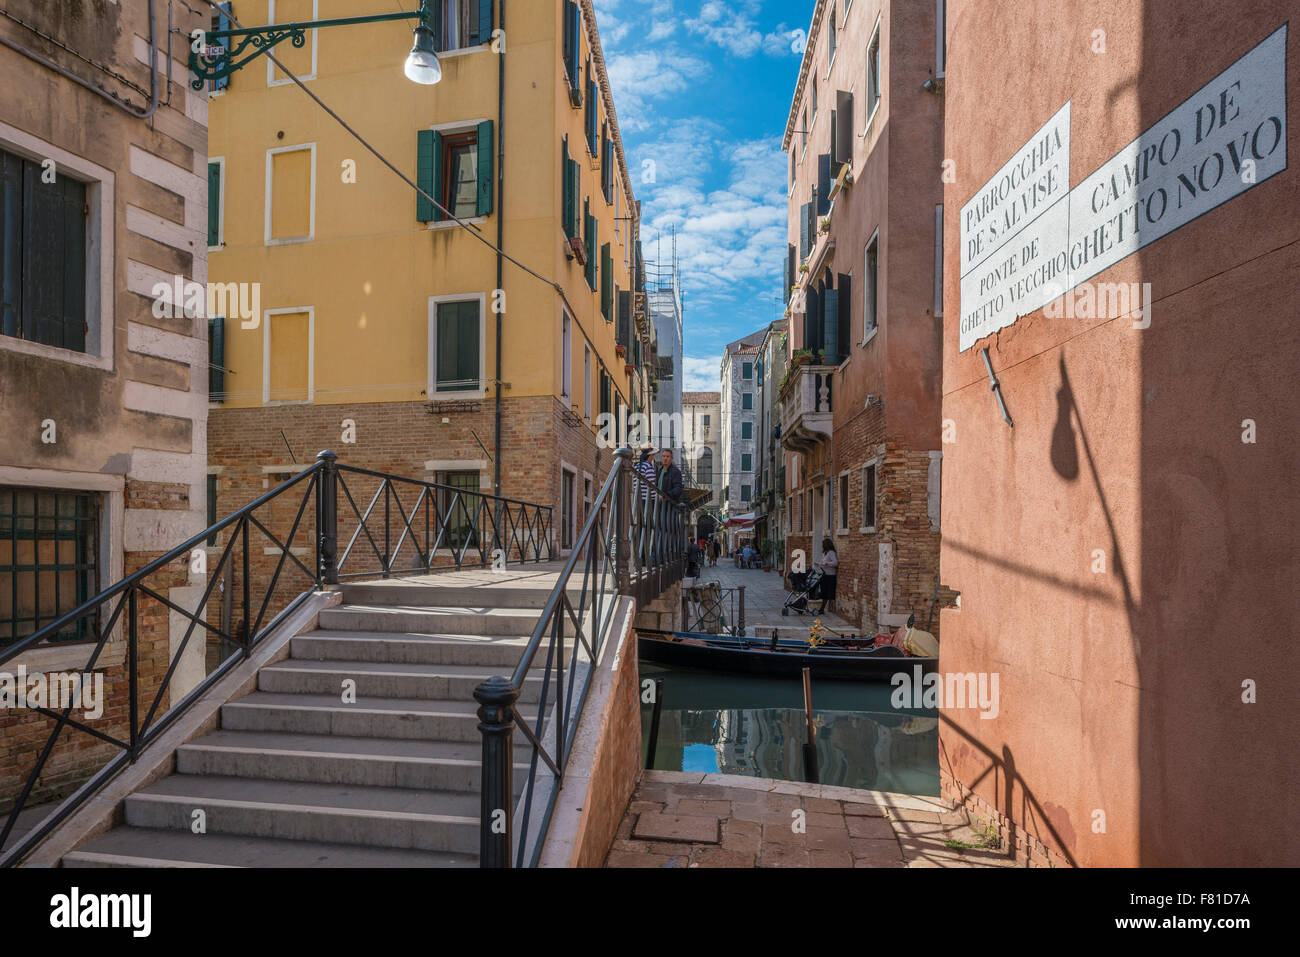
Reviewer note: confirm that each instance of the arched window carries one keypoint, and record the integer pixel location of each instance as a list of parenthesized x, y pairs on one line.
[(704, 470)]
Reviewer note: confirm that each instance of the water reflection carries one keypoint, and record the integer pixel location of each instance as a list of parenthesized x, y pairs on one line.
[(756, 727)]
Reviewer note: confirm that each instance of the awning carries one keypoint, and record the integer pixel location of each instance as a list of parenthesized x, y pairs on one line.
[(740, 521)]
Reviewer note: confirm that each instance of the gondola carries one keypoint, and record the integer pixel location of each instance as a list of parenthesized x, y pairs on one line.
[(841, 658)]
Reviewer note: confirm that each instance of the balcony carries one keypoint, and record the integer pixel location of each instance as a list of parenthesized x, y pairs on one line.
[(806, 407)]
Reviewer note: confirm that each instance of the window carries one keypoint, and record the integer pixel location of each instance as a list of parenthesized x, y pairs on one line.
[(586, 382), (566, 359), (455, 166), (43, 260), (814, 99), (870, 306), (49, 546), (216, 359), (589, 233), (869, 497), (465, 23), (843, 490), (287, 350), (706, 424), (938, 260), (456, 344), (747, 430), (459, 187), (941, 39), (458, 504), (570, 188), (803, 130), (704, 470), (831, 37), (212, 508), (873, 74), (747, 370), (291, 194), (747, 462), (216, 209), (744, 493), (572, 31), (828, 500), (568, 508), (747, 400), (221, 21)]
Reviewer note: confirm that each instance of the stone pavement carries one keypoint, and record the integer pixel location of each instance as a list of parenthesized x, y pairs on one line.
[(764, 595), (682, 819)]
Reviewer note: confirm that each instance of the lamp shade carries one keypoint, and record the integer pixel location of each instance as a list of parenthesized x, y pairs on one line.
[(422, 62)]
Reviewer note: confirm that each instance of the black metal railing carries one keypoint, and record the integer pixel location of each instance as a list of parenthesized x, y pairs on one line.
[(632, 544), (710, 609), (229, 607)]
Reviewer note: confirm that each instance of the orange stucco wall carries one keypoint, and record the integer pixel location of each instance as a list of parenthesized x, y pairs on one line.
[(1122, 736)]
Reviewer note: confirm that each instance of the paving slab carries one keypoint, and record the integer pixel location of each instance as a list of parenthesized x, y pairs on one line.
[(678, 819)]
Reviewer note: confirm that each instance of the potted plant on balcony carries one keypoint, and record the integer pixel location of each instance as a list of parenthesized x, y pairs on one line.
[(803, 267), (628, 368), (620, 351), (826, 225)]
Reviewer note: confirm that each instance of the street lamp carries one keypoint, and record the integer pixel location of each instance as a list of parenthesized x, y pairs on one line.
[(212, 58), (422, 62)]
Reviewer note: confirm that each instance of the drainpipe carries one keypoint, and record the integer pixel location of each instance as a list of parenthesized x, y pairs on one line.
[(116, 101), (501, 241)]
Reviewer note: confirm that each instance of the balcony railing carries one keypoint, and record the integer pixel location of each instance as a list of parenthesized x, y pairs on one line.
[(806, 407)]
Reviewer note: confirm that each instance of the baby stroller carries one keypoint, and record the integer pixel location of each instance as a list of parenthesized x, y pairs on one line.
[(804, 587)]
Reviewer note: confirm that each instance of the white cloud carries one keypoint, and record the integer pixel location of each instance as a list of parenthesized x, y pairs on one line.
[(701, 375)]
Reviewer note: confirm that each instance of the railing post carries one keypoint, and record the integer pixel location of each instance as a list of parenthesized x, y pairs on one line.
[(327, 519), (740, 617), (622, 519), (496, 698)]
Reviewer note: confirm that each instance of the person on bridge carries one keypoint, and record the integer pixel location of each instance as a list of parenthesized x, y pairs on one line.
[(670, 476)]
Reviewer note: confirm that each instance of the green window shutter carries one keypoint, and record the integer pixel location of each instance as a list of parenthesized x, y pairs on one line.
[(830, 326), (435, 21), (54, 260), (11, 243), (566, 189), (214, 204), (484, 21), (606, 283), (485, 160), (591, 246), (428, 174), (575, 190), (216, 358), (572, 30)]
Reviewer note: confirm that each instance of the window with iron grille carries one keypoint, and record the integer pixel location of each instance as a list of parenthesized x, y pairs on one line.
[(459, 511), (49, 561)]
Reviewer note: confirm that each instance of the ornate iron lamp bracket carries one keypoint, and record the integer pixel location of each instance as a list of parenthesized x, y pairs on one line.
[(217, 54)]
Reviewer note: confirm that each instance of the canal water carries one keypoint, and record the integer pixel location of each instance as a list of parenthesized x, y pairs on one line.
[(736, 724)]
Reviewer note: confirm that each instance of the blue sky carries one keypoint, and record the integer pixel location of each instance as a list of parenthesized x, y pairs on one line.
[(702, 89)]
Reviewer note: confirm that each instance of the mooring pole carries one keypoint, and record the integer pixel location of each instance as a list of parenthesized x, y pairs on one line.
[(810, 747), (653, 743)]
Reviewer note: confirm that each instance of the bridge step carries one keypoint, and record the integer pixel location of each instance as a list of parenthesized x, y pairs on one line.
[(295, 777)]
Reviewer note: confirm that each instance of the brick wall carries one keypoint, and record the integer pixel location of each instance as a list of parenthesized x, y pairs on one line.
[(905, 519), (1024, 843), (398, 438)]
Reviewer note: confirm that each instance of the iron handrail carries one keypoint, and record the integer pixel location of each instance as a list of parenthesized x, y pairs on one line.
[(606, 557), (118, 608)]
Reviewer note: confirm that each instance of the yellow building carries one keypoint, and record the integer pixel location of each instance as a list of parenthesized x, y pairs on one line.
[(372, 319)]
